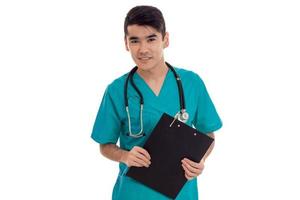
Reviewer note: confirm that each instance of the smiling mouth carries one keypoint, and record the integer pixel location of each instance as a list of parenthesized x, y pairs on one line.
[(144, 58)]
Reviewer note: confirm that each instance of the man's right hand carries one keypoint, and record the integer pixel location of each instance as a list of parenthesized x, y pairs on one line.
[(137, 157)]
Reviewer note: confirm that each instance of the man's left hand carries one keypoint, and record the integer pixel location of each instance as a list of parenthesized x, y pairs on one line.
[(192, 169)]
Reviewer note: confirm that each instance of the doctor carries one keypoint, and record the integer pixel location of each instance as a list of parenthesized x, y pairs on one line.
[(145, 39)]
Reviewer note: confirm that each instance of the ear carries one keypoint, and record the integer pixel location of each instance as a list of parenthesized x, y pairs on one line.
[(166, 40), (126, 43)]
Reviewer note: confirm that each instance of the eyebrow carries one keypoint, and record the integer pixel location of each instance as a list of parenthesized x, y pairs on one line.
[(149, 36)]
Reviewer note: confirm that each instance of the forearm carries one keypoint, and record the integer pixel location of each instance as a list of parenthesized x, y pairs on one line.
[(113, 152)]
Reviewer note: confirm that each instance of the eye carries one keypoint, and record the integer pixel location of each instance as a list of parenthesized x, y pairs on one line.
[(134, 41), (151, 39)]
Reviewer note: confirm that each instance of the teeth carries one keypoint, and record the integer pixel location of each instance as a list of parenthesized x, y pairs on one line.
[(144, 58)]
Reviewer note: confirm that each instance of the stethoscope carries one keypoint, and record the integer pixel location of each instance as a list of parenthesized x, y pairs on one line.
[(181, 115)]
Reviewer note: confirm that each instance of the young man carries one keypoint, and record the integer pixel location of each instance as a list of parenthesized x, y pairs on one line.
[(145, 39)]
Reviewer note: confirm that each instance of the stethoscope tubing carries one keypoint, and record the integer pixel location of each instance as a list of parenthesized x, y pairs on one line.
[(130, 78)]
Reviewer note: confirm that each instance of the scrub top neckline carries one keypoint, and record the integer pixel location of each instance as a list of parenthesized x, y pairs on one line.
[(148, 89)]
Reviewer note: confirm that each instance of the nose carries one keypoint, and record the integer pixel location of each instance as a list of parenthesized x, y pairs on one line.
[(143, 48)]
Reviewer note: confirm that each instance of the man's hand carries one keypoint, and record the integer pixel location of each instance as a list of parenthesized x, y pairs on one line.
[(192, 169), (137, 157)]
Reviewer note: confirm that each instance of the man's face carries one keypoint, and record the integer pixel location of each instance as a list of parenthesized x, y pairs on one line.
[(146, 46)]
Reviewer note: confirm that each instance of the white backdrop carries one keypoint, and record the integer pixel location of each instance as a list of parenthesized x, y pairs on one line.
[(57, 57)]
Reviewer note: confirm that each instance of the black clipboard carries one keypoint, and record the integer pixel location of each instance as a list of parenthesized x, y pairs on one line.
[(167, 146)]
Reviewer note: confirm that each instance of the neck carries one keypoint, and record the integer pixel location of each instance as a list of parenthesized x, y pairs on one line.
[(155, 73)]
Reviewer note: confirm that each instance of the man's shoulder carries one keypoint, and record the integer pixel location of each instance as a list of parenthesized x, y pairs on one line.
[(119, 80), (183, 71), (187, 74), (117, 83)]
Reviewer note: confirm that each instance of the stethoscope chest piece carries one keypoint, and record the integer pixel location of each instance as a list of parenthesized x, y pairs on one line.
[(183, 116)]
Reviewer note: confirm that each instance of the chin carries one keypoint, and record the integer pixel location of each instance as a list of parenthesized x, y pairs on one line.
[(145, 66)]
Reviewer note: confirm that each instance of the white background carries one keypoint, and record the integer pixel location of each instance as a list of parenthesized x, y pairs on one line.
[(58, 56)]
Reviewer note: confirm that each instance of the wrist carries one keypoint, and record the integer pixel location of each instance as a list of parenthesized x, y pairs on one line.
[(123, 157)]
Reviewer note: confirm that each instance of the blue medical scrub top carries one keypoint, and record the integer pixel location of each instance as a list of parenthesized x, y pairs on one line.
[(111, 123)]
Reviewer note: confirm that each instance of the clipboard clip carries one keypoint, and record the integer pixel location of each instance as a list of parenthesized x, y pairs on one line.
[(173, 120), (182, 116), (176, 117)]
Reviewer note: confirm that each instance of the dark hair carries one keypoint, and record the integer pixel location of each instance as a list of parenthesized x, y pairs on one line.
[(145, 16)]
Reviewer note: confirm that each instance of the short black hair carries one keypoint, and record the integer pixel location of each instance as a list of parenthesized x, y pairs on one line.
[(145, 16)]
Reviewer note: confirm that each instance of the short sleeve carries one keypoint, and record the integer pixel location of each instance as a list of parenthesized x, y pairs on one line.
[(206, 118), (107, 124)]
